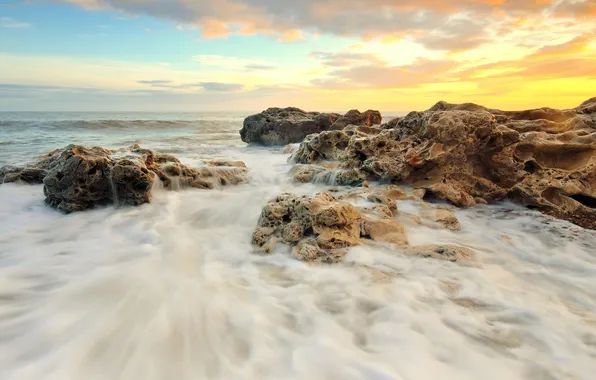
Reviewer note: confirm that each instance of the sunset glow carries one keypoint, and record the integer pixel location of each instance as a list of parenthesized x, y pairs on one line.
[(392, 55)]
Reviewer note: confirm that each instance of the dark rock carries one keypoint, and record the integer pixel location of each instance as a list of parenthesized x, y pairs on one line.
[(80, 179), (281, 126)]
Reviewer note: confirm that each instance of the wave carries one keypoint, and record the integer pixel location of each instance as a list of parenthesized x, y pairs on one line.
[(207, 125)]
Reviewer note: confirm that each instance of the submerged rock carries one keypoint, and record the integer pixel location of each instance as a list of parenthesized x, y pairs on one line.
[(282, 126), (468, 154)]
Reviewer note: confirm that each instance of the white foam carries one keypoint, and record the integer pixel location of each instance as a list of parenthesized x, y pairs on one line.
[(170, 290)]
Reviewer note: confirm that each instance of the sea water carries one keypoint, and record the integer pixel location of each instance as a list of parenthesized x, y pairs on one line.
[(173, 290)]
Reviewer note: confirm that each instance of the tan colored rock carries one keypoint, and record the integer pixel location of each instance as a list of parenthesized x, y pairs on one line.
[(439, 218), (385, 231), (468, 154), (441, 252), (219, 163), (305, 173)]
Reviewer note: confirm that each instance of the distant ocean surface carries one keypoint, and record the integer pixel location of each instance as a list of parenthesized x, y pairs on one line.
[(27, 134), (173, 289)]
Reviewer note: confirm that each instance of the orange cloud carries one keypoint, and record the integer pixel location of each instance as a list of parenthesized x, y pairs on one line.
[(214, 29)]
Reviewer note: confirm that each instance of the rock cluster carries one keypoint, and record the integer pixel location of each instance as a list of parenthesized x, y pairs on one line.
[(281, 126), (469, 154), (321, 228), (77, 178)]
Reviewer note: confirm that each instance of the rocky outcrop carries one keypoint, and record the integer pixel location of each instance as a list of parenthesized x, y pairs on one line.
[(468, 154), (321, 228), (281, 126), (357, 118), (77, 178)]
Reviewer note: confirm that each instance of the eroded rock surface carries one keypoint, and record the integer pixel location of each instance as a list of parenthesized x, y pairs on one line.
[(281, 126), (468, 154), (354, 117), (321, 228), (77, 178)]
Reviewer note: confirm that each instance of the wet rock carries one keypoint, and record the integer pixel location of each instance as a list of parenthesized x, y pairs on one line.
[(281, 126), (385, 231), (29, 174), (439, 218), (224, 163), (130, 182), (7, 173), (469, 154), (330, 145), (321, 175), (328, 224), (357, 118), (77, 178), (306, 173), (451, 253), (80, 179)]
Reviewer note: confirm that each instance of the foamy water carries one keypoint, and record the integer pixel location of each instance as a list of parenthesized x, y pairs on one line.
[(171, 290)]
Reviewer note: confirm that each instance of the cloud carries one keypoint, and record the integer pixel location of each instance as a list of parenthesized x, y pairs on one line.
[(438, 24), (169, 85), (7, 22), (219, 87), (383, 76), (232, 63), (257, 67), (457, 34), (345, 59), (156, 83)]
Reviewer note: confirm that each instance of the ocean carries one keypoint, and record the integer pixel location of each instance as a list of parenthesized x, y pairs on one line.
[(173, 290)]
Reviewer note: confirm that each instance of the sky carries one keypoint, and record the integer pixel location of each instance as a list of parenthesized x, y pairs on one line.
[(324, 55)]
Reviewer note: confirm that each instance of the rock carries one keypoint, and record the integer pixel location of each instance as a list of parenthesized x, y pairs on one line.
[(208, 177), (33, 175), (233, 164), (130, 182), (330, 145), (80, 179), (439, 218), (288, 149), (77, 178), (469, 154), (320, 226), (281, 126), (356, 118), (385, 231), (306, 173), (441, 252), (7, 173)]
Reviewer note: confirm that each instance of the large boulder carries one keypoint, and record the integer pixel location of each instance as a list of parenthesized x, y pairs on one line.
[(282, 126), (469, 154), (84, 177)]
